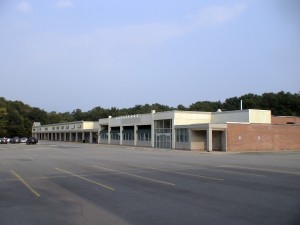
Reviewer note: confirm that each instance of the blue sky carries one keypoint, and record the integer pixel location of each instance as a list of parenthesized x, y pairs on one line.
[(60, 55)]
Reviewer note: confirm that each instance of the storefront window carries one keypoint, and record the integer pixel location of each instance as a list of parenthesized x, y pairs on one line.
[(163, 133), (182, 135)]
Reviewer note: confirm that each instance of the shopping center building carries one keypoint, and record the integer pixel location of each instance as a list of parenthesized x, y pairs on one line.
[(241, 130), (79, 131)]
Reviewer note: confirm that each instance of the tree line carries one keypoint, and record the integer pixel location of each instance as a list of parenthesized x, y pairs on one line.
[(16, 118)]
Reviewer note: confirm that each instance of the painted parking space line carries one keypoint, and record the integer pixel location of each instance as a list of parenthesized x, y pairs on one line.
[(25, 183), (176, 172), (137, 176), (259, 169), (86, 179), (235, 172), (216, 169), (38, 148)]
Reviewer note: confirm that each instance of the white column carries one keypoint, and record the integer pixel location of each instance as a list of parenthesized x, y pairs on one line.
[(91, 137), (209, 139), (121, 135), (109, 129), (173, 134), (98, 135), (152, 130), (135, 136)]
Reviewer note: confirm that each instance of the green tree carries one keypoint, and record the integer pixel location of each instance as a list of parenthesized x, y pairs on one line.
[(205, 106), (181, 107), (231, 104), (3, 122), (55, 117), (96, 114), (78, 115)]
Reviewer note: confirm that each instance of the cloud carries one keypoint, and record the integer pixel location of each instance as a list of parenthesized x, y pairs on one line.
[(158, 32), (64, 4), (218, 14), (111, 41), (24, 6)]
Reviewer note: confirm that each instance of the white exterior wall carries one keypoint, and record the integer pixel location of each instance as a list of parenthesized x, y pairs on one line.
[(187, 118), (163, 115), (129, 120), (260, 116), (104, 121)]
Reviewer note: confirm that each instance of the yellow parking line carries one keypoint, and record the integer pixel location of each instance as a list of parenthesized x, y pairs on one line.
[(86, 179), (26, 184), (171, 171), (130, 174), (260, 169)]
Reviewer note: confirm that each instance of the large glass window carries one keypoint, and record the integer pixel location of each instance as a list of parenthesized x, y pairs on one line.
[(163, 126), (128, 136), (115, 133), (128, 133), (104, 133), (182, 135), (144, 136), (114, 136), (163, 133), (104, 136), (144, 133)]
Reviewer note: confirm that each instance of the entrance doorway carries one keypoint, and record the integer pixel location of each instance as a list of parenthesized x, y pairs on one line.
[(163, 140), (217, 140)]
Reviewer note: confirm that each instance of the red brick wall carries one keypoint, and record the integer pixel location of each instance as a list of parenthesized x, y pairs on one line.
[(285, 119), (262, 137)]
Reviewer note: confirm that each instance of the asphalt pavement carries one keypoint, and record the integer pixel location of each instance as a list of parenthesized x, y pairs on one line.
[(74, 183)]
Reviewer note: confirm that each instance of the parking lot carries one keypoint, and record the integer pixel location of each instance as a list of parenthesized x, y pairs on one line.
[(73, 183)]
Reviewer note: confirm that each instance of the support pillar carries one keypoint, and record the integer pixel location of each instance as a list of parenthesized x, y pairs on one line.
[(135, 136), (209, 139), (121, 135), (152, 130), (173, 134), (91, 137), (109, 135)]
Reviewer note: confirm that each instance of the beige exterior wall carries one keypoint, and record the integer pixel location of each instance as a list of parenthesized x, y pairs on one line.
[(260, 116), (198, 140), (187, 118), (90, 125)]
